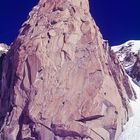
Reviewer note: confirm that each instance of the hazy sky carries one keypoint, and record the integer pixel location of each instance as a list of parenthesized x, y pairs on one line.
[(119, 20)]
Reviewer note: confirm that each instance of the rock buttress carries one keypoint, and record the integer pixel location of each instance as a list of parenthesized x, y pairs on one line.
[(59, 81)]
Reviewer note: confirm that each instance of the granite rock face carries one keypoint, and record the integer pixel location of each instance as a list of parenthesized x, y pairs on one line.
[(60, 81)]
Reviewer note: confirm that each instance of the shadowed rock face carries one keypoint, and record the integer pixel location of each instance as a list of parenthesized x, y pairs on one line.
[(59, 81), (135, 72)]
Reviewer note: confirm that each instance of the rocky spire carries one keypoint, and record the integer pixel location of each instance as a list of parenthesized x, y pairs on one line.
[(58, 80)]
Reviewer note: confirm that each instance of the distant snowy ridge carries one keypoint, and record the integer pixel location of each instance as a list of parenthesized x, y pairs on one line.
[(3, 47), (128, 54), (126, 50), (134, 46)]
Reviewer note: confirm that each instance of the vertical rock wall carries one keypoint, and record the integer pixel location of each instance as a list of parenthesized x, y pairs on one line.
[(59, 81)]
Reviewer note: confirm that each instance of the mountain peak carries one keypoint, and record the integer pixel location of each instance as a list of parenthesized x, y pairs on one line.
[(59, 80)]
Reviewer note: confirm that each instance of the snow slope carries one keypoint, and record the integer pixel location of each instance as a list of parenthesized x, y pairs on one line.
[(132, 127)]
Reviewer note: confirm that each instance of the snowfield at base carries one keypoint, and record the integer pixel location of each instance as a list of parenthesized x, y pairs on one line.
[(132, 127)]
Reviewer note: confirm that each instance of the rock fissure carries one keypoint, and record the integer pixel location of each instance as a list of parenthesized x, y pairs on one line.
[(85, 119)]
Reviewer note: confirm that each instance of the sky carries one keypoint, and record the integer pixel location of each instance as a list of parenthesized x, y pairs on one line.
[(12, 14), (118, 20)]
